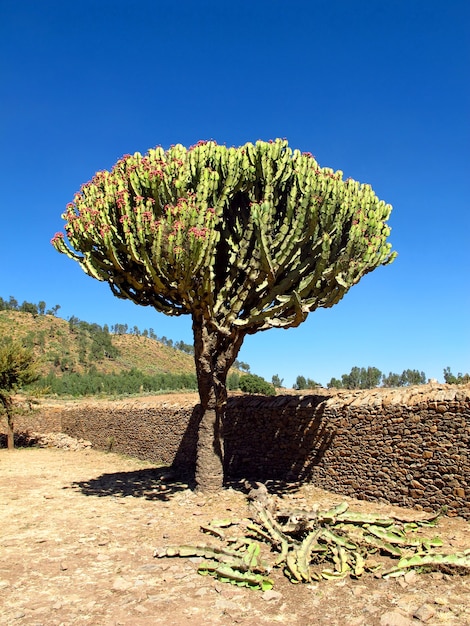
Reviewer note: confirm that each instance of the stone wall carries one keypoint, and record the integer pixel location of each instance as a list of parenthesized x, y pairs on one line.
[(407, 446)]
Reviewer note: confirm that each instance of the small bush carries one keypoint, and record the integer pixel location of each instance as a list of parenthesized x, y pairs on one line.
[(251, 383)]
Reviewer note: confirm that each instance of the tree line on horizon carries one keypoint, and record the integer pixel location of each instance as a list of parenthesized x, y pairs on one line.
[(372, 377)]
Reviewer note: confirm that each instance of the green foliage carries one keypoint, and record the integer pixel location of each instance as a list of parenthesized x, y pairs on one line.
[(371, 377), (241, 365), (92, 339), (305, 383), (233, 381), (251, 383), (124, 383), (460, 379), (361, 378), (276, 381), (17, 367), (17, 370), (25, 307), (300, 382), (405, 379)]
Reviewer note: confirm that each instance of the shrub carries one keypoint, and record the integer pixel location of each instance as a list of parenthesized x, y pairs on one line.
[(251, 383)]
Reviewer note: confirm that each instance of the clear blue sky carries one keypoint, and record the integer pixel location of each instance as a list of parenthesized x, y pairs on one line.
[(377, 89)]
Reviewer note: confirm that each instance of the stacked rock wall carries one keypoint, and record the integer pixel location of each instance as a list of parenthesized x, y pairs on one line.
[(408, 446)]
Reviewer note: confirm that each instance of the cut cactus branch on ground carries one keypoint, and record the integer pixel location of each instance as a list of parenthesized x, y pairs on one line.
[(320, 545)]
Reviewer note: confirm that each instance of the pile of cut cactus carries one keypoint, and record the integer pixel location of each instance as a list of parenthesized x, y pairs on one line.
[(319, 545)]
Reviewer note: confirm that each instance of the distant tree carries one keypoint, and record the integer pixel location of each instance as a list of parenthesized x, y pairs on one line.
[(405, 379), (276, 381), (251, 383), (13, 303), (233, 381), (335, 384), (29, 307), (358, 378), (241, 365), (370, 377), (300, 383), (241, 239), (460, 379), (412, 377), (353, 379), (120, 329), (41, 307), (391, 380), (305, 383), (17, 369), (312, 384), (53, 310), (74, 323)]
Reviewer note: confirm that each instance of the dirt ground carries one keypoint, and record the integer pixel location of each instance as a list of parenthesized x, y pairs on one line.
[(78, 530)]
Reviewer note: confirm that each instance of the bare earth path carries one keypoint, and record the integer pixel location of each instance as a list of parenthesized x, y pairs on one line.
[(78, 530)]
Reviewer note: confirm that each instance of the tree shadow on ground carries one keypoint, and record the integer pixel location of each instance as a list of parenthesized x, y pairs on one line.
[(159, 483)]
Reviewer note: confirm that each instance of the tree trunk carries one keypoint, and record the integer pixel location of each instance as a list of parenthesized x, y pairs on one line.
[(214, 353), (8, 406), (10, 434)]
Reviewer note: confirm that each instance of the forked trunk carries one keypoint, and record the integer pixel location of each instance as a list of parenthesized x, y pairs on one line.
[(214, 353)]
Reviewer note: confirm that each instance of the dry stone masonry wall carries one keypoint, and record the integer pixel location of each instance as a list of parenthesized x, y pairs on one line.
[(408, 446)]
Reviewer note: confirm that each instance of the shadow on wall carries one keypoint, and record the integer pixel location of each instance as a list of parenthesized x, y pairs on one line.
[(266, 439), (184, 461)]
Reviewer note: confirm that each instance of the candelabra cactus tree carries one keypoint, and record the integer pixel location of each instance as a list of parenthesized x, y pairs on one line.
[(241, 239)]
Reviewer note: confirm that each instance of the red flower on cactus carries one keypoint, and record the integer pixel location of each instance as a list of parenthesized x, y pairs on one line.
[(56, 237), (198, 233)]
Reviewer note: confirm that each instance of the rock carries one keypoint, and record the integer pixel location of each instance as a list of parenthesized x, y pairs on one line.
[(121, 584), (424, 613), (272, 596), (394, 618), (410, 576)]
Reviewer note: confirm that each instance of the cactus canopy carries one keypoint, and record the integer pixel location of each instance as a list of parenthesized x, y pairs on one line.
[(242, 239)]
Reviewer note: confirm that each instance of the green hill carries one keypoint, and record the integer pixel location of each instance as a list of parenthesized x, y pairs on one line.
[(65, 347)]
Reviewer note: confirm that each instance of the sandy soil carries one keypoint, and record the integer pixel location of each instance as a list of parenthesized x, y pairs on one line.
[(79, 528)]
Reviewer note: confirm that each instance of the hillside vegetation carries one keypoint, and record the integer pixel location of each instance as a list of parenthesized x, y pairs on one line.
[(62, 347), (76, 358)]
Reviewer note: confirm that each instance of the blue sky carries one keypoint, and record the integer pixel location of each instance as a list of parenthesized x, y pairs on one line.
[(377, 89)]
